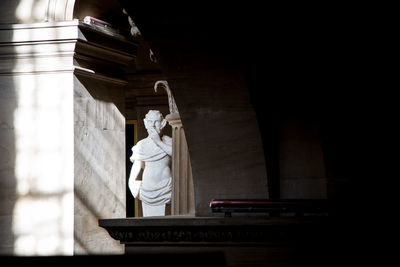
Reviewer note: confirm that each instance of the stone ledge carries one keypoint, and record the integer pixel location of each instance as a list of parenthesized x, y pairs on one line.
[(206, 231)]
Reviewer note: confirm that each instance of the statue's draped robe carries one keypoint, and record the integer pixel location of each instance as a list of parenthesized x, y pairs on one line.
[(153, 193)]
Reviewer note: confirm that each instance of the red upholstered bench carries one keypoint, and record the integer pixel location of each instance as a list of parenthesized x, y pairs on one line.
[(297, 206)]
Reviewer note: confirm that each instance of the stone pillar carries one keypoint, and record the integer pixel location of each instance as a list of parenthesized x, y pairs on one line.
[(37, 138), (183, 192), (62, 132), (182, 202)]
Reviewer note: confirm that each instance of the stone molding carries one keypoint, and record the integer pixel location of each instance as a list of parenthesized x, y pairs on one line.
[(37, 47), (174, 120), (209, 231), (68, 46), (91, 74)]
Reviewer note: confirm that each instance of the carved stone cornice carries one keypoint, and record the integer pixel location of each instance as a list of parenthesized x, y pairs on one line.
[(107, 55), (174, 119), (37, 47), (96, 76), (64, 46)]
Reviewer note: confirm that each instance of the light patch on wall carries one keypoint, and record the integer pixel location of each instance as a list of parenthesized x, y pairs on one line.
[(43, 123), (42, 234), (31, 10)]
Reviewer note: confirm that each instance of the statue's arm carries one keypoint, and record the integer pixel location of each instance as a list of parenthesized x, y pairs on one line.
[(136, 167), (132, 183), (166, 146)]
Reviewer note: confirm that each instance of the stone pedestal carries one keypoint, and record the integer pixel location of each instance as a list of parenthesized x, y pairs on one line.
[(256, 241), (182, 180)]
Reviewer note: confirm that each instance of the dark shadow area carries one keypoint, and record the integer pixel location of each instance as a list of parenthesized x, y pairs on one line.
[(310, 65), (298, 60), (143, 259), (129, 143), (300, 71), (307, 61)]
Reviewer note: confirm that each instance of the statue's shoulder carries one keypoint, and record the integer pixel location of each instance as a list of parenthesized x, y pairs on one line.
[(166, 139), (140, 144)]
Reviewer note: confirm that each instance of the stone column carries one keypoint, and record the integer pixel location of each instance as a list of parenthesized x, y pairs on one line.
[(182, 202), (183, 192), (37, 138), (62, 137)]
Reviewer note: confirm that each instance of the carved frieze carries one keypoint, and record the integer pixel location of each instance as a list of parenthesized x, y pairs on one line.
[(190, 235), (213, 234)]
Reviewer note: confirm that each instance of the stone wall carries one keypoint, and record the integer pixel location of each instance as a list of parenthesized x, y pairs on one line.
[(99, 162)]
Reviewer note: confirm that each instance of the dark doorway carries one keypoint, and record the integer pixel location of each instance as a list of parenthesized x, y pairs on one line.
[(130, 141)]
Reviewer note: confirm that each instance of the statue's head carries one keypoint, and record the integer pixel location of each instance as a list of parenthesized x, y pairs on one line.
[(154, 119)]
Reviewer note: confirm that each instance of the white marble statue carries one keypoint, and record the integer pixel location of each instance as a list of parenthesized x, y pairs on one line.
[(153, 154)]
